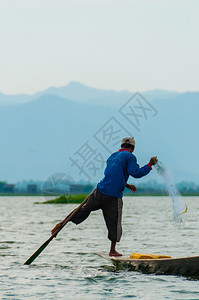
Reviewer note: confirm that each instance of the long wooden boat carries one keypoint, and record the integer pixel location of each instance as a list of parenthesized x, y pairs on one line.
[(186, 266)]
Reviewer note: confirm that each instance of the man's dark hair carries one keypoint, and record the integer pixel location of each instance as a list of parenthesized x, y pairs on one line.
[(127, 146)]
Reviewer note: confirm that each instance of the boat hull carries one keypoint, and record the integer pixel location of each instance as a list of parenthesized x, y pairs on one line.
[(186, 266)]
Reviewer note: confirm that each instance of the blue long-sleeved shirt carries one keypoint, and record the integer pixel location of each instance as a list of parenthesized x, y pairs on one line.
[(120, 165)]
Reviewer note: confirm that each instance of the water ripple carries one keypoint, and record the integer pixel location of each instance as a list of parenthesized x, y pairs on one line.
[(68, 267)]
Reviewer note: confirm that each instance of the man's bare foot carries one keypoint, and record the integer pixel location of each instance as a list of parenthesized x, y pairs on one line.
[(115, 253)]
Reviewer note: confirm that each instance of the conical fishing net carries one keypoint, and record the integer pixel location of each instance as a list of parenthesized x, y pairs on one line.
[(177, 201)]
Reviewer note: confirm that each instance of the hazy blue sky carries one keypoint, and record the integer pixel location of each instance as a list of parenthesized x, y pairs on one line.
[(129, 44)]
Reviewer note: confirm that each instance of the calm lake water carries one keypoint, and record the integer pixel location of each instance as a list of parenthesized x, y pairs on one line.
[(69, 269)]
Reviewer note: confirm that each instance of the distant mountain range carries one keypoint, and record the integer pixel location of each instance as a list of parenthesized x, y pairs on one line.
[(79, 92), (46, 133)]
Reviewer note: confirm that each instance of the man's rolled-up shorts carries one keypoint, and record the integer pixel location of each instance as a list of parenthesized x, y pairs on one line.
[(112, 212)]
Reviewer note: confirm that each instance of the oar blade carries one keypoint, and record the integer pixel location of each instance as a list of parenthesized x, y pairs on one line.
[(34, 256)]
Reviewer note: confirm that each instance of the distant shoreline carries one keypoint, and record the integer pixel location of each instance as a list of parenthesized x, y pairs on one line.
[(125, 195)]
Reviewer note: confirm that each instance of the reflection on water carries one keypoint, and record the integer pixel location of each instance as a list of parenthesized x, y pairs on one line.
[(69, 269)]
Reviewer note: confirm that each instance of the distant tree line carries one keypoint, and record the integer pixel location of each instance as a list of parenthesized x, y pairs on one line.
[(37, 188)]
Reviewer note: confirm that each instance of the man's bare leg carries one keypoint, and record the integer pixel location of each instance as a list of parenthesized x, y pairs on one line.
[(113, 252)]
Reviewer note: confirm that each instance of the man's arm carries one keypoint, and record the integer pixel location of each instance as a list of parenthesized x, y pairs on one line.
[(135, 171)]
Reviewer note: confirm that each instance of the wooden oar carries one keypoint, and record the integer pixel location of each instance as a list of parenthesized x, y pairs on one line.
[(65, 221)]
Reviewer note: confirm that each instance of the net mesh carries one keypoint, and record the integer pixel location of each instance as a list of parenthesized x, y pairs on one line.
[(178, 204)]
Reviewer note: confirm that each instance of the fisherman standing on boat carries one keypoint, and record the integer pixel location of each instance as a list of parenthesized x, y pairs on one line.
[(107, 196)]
